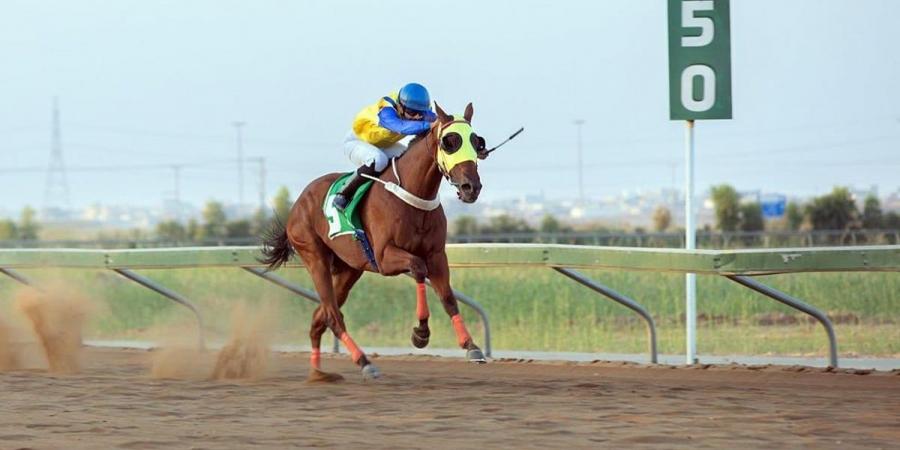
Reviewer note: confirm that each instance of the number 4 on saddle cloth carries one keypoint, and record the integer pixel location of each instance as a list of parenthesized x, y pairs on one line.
[(347, 221)]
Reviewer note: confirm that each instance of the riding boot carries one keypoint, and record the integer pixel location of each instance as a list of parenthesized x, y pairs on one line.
[(342, 198)]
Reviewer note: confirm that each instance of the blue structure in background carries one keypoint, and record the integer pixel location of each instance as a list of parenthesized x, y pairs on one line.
[(773, 205)]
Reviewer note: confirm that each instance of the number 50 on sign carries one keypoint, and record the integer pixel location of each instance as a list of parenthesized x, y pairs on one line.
[(699, 59)]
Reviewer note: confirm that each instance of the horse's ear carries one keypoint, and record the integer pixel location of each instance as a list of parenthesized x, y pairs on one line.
[(468, 113), (442, 116)]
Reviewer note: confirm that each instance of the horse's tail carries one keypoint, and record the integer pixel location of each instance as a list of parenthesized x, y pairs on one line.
[(276, 248)]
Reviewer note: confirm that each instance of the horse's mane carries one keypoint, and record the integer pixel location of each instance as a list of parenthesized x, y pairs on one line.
[(416, 140)]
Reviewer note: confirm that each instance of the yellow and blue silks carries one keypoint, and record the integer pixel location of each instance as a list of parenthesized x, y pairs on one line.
[(380, 125)]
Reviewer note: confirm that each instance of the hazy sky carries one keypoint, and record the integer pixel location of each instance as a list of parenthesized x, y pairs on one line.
[(815, 88)]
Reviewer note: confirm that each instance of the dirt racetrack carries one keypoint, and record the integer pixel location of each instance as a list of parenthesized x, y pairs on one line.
[(445, 403)]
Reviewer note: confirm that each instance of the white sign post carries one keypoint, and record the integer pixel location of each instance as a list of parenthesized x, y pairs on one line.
[(690, 243), (699, 88)]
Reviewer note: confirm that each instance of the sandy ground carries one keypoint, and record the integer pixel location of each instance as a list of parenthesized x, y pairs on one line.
[(114, 402)]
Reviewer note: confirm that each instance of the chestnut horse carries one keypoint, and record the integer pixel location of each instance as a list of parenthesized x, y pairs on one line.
[(403, 238)]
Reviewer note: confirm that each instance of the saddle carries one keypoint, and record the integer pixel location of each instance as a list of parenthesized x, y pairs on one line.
[(346, 222)]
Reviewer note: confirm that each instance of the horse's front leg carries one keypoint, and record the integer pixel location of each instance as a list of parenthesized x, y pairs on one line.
[(395, 260), (439, 274)]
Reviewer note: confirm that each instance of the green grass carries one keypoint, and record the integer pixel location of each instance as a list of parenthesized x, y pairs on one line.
[(530, 309)]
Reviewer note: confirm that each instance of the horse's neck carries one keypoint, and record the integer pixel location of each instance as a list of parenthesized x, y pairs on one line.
[(418, 171)]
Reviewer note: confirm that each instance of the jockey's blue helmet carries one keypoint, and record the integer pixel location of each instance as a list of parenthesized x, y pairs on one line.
[(414, 96)]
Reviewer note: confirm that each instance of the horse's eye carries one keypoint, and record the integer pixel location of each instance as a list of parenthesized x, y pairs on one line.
[(451, 142), (477, 142)]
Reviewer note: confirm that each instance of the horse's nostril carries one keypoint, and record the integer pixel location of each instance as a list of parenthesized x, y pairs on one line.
[(466, 187)]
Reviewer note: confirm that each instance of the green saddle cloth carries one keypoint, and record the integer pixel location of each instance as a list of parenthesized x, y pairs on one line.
[(346, 222)]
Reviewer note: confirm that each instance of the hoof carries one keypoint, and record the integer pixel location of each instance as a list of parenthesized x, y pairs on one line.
[(317, 376), (370, 372), (420, 337), (476, 356)]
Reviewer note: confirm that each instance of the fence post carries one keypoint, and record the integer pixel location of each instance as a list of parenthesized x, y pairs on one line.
[(168, 293), (618, 298), (796, 304)]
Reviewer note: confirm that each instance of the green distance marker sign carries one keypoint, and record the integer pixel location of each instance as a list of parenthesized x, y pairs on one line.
[(699, 59)]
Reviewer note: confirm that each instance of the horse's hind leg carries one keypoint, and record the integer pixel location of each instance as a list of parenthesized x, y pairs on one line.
[(439, 273), (343, 278), (316, 330), (318, 260)]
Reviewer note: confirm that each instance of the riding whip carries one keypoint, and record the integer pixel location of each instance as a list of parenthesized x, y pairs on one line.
[(488, 152)]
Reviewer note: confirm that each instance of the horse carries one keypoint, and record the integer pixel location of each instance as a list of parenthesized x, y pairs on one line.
[(405, 238)]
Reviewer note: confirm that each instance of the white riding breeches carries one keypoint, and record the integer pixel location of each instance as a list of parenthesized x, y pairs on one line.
[(363, 153)]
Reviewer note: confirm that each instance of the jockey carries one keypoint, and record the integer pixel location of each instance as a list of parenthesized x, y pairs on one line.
[(377, 131)]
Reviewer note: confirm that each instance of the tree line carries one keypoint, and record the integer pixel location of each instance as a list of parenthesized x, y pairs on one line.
[(26, 229), (836, 210), (215, 224)]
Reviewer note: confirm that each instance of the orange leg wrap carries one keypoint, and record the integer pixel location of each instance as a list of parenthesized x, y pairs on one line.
[(355, 352), (462, 334), (315, 359), (421, 302)]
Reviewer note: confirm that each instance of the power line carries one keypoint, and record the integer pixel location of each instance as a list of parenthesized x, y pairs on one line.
[(117, 167), (300, 168), (205, 137), (806, 147)]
